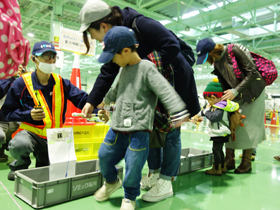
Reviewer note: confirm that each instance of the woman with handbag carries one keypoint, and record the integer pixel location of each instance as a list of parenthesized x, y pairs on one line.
[(97, 18), (245, 87)]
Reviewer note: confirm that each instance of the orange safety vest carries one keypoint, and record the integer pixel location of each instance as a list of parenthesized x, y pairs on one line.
[(52, 120)]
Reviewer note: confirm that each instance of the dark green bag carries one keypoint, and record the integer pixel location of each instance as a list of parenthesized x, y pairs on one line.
[(157, 139)]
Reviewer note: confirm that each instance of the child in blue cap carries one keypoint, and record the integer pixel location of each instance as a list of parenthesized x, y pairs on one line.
[(135, 95)]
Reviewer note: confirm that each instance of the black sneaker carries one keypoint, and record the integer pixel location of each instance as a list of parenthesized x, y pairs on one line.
[(11, 175)]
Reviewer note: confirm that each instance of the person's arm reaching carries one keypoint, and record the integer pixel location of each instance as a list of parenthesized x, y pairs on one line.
[(101, 86)]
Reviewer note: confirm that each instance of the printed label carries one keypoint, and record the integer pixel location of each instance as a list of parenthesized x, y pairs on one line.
[(50, 191), (127, 122), (84, 186), (196, 163)]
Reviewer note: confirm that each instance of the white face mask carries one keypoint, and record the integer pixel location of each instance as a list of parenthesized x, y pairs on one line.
[(47, 68)]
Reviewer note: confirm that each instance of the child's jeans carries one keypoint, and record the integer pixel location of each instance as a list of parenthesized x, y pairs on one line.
[(134, 147), (167, 159)]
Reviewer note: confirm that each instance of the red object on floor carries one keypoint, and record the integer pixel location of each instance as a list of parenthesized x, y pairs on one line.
[(75, 80)]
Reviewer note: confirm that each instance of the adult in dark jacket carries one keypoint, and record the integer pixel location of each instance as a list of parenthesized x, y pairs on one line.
[(246, 88), (97, 18)]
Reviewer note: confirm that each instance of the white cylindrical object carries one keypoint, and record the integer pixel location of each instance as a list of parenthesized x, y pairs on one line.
[(76, 63)]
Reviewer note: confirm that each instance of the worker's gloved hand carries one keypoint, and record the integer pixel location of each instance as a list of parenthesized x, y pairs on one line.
[(87, 110), (37, 114), (104, 115)]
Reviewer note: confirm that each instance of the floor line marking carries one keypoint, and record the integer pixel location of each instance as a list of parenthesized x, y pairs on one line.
[(266, 163), (269, 147), (10, 195)]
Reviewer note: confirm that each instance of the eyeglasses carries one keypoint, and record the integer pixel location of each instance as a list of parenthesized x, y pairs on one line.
[(47, 56)]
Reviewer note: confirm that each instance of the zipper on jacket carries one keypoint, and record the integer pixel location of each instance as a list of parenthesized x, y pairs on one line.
[(229, 70)]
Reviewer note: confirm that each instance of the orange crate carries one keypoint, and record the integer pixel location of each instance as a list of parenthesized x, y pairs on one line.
[(88, 138)]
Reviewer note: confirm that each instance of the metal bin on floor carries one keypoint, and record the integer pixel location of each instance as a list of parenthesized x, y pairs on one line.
[(33, 185), (194, 159)]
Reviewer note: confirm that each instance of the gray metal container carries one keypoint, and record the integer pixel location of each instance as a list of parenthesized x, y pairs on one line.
[(194, 159), (33, 185)]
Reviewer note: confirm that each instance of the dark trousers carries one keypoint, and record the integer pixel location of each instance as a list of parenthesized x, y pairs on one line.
[(218, 143), (22, 145), (219, 156)]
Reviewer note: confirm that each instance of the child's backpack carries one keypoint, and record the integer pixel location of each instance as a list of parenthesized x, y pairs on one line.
[(186, 49), (266, 67), (14, 49), (235, 120), (235, 117)]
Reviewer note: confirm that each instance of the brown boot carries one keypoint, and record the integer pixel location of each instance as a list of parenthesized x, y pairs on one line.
[(230, 161), (277, 157), (252, 157), (214, 171), (224, 168), (245, 165)]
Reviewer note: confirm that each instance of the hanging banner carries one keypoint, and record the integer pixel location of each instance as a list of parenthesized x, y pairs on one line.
[(59, 59), (71, 40)]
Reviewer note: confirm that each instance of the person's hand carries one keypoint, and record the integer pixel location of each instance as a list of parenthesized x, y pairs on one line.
[(200, 119), (196, 120), (101, 106), (87, 110), (104, 115), (228, 95), (193, 120), (37, 114), (208, 106), (180, 122)]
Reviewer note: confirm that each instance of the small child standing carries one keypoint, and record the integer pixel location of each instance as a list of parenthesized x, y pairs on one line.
[(217, 113), (135, 95)]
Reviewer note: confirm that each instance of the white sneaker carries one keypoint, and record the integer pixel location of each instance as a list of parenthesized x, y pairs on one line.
[(127, 204), (147, 182), (162, 190), (106, 190)]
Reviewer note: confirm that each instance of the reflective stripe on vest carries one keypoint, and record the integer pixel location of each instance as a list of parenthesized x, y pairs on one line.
[(53, 120)]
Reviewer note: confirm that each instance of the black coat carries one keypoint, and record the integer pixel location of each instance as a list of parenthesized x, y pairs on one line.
[(158, 38)]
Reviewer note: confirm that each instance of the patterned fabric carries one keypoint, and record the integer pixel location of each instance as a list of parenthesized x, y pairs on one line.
[(162, 122), (266, 67), (168, 73), (209, 94), (14, 49)]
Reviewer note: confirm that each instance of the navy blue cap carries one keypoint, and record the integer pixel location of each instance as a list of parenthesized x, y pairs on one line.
[(41, 47), (116, 39), (203, 48)]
